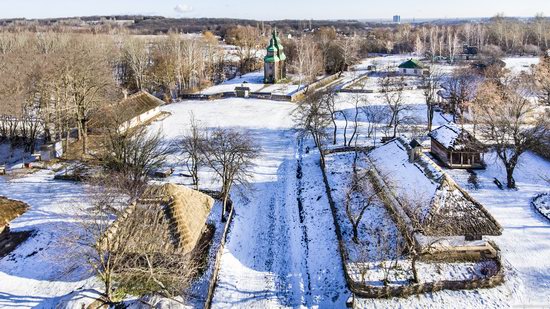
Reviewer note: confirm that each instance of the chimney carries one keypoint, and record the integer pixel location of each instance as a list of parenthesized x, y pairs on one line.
[(416, 149), (125, 93)]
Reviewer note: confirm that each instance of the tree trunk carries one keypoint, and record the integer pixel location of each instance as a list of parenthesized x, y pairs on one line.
[(414, 270), (511, 183), (224, 209), (355, 234), (335, 130), (84, 126), (430, 117)]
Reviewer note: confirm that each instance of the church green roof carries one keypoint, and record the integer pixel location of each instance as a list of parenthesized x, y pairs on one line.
[(275, 49)]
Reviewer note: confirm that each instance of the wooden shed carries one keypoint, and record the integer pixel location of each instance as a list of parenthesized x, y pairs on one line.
[(456, 148)]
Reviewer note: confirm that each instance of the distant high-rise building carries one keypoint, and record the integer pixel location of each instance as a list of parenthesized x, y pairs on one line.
[(397, 19)]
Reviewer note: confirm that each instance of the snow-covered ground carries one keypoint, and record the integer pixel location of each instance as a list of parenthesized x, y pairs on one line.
[(40, 270), (280, 252), (517, 65), (254, 81)]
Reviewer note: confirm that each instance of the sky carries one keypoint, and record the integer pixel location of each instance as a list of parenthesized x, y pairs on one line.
[(278, 9)]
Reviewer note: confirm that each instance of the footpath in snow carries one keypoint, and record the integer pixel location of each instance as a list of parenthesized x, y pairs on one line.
[(282, 249)]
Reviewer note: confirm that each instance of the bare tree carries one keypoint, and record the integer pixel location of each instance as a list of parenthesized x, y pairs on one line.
[(430, 85), (461, 86), (359, 101), (541, 76), (360, 196), (313, 119), (231, 155), (308, 63), (191, 146), (375, 114), (510, 122), (248, 42), (137, 56), (134, 154), (392, 89), (328, 100)]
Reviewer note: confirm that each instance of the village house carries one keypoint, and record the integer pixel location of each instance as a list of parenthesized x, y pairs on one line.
[(129, 113), (456, 148), (274, 61), (468, 53), (411, 67), (444, 219)]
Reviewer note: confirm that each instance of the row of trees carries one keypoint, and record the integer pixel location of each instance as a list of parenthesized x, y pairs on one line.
[(508, 35), (53, 82)]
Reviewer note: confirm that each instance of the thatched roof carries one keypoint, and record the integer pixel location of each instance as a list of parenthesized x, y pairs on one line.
[(173, 214), (185, 209), (454, 212), (9, 210), (441, 206), (125, 110)]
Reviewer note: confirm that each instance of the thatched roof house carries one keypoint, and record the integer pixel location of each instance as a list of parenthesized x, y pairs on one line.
[(175, 215), (9, 210), (130, 112), (429, 195), (456, 147)]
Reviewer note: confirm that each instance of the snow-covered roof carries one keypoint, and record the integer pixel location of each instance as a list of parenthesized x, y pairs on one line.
[(433, 197), (454, 138)]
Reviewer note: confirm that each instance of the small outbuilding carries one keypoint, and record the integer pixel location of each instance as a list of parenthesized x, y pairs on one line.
[(456, 148), (411, 67)]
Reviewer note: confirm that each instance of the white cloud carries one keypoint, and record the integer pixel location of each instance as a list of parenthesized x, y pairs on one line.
[(183, 8)]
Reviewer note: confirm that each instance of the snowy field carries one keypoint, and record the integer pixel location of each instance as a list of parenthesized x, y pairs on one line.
[(254, 81), (40, 270)]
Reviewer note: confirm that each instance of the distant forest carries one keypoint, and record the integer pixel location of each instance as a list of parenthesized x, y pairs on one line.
[(160, 25)]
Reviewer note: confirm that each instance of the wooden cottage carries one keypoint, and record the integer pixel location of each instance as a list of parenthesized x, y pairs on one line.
[(456, 148), (411, 67), (132, 111)]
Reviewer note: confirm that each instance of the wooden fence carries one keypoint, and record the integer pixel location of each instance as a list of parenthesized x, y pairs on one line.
[(367, 291)]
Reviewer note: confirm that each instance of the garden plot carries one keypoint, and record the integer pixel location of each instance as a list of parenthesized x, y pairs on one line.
[(279, 252), (380, 257)]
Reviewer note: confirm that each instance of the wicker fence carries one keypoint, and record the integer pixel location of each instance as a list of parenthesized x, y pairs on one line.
[(217, 261), (367, 291)]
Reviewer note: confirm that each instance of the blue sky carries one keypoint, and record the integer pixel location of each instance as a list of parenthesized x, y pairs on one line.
[(278, 9)]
